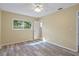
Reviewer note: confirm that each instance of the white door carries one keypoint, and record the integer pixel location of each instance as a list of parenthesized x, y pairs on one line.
[(36, 30)]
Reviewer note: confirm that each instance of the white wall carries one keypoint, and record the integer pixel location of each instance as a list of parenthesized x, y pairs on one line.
[(60, 28), (0, 28), (10, 36)]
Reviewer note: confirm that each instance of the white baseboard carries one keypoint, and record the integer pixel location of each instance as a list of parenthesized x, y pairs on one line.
[(14, 42), (63, 47)]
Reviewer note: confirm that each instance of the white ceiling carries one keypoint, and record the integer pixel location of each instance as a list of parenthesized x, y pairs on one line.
[(27, 8)]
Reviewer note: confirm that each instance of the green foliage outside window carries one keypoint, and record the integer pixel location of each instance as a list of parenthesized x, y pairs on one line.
[(27, 24), (19, 24)]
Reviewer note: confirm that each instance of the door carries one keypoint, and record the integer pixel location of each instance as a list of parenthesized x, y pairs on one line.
[(36, 29)]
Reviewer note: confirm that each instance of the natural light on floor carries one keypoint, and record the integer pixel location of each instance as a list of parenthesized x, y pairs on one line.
[(34, 43)]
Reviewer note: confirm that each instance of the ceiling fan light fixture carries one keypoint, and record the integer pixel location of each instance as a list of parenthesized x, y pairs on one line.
[(38, 7)]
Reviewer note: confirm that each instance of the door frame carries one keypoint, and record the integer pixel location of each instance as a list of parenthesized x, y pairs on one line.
[(36, 20), (77, 43)]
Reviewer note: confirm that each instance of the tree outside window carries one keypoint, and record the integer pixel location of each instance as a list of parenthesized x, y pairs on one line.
[(20, 24)]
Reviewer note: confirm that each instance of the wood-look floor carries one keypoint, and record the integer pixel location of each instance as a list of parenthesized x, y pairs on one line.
[(35, 49)]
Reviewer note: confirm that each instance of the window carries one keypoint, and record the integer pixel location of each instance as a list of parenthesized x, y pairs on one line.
[(20, 24)]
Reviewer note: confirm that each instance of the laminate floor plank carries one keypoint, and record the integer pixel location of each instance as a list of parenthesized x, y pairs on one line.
[(35, 49)]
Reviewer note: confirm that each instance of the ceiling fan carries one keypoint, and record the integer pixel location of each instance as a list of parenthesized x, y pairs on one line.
[(37, 7)]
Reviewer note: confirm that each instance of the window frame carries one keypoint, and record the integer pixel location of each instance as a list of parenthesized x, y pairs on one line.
[(23, 23)]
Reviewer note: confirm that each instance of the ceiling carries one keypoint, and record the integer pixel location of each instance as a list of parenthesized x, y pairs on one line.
[(27, 8)]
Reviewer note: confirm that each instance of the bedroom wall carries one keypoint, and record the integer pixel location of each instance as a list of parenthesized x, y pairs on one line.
[(60, 28), (10, 36), (0, 28)]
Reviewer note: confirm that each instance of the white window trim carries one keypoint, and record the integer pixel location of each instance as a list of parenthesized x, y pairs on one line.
[(22, 20)]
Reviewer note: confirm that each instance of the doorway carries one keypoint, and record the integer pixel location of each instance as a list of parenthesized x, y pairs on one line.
[(37, 30)]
